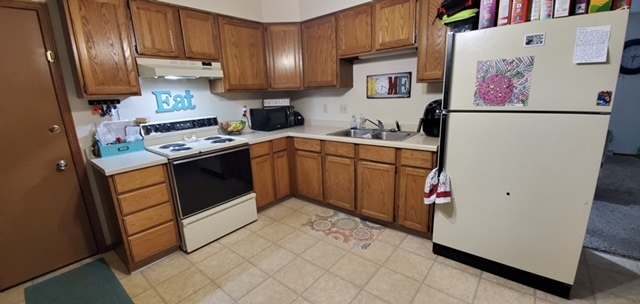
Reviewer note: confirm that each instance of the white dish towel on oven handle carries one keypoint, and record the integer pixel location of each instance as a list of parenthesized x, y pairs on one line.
[(437, 189)]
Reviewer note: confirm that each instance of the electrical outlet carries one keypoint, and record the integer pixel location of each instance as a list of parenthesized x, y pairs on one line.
[(343, 109), (324, 108)]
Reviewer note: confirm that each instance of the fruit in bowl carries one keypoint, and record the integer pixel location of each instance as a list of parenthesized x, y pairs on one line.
[(229, 127)]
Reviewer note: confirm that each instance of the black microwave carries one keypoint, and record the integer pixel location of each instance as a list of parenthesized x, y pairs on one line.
[(269, 119)]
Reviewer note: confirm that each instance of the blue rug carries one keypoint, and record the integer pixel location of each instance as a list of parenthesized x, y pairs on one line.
[(90, 283)]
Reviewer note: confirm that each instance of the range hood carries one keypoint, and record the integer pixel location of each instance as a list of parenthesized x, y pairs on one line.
[(177, 69)]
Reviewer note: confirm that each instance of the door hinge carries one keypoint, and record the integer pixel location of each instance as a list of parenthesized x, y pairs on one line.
[(51, 56)]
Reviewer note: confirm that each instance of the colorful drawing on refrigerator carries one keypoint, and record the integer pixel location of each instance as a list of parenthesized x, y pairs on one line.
[(604, 98), (503, 82)]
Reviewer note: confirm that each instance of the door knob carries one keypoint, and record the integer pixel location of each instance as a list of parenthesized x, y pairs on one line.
[(62, 165), (54, 129)]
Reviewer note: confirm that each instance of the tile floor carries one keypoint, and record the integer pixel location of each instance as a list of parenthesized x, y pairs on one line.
[(277, 260)]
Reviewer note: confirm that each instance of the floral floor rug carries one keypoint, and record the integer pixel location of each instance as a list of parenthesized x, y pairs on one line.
[(345, 228)]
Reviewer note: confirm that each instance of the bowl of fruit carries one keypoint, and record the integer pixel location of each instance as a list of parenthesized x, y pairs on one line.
[(232, 127)]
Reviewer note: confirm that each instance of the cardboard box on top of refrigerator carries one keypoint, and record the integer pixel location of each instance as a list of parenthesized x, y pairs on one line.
[(618, 4), (581, 7), (535, 10), (597, 6), (562, 8), (520, 11), (504, 12), (546, 9), (488, 14)]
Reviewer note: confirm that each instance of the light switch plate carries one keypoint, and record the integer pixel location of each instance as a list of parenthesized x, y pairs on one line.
[(343, 109)]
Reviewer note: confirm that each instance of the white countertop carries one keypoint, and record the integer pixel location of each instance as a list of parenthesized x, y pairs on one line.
[(127, 162)]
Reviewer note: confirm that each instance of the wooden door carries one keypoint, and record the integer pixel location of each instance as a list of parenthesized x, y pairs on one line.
[(200, 34), (262, 171), (309, 174), (284, 53), (243, 55), (339, 178), (156, 27), (101, 37), (394, 24), (354, 31), (412, 212), (44, 224), (376, 190), (281, 174), (432, 46), (320, 60)]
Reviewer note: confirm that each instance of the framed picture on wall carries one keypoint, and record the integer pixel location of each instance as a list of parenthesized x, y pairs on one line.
[(395, 85)]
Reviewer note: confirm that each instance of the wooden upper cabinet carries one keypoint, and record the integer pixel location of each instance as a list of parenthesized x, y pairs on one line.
[(100, 33), (394, 24), (284, 56), (243, 55), (200, 33), (156, 28), (320, 55), (354, 31), (432, 38)]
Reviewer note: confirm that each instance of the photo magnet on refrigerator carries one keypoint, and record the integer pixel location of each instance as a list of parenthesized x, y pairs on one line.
[(604, 98)]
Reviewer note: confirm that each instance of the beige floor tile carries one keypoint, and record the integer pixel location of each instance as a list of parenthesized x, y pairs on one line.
[(239, 281), (579, 295), (135, 284), (210, 294), (392, 286), (220, 263), (457, 265), (541, 301), (617, 283), (355, 269), (607, 298), (299, 274), (331, 289), (312, 209), (203, 253), (582, 275), (295, 203), (611, 262), (366, 298), (234, 237), (418, 246), (272, 259), (508, 283), (14, 295), (297, 242), (323, 254), (271, 291), (308, 230), (409, 264), (116, 264), (250, 246), (392, 237), (275, 231), (378, 252), (182, 285), (337, 240), (428, 295), (454, 282), (166, 268), (277, 212), (300, 300), (263, 221), (296, 219), (491, 293), (148, 297)]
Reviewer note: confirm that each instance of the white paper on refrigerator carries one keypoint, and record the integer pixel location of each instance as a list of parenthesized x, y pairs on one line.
[(592, 44)]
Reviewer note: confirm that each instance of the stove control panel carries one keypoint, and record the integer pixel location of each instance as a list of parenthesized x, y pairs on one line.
[(174, 126)]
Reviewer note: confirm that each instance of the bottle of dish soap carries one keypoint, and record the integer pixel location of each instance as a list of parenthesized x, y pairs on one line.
[(354, 123)]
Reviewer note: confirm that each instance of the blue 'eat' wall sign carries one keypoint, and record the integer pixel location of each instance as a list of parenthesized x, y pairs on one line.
[(179, 102)]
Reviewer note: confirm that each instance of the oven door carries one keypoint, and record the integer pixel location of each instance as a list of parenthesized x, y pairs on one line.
[(203, 182)]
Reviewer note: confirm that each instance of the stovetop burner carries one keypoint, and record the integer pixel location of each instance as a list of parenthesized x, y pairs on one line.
[(212, 138), (174, 145), (223, 140), (180, 148)]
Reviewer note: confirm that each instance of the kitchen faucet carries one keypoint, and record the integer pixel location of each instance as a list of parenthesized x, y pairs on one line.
[(380, 125)]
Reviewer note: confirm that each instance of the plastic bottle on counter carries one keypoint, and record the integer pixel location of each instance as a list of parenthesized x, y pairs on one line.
[(354, 123)]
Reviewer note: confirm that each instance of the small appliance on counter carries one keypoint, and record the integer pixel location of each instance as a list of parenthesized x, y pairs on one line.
[(298, 118), (269, 119), (430, 121)]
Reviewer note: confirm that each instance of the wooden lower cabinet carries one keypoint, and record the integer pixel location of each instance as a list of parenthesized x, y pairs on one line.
[(309, 174), (376, 190), (263, 185), (281, 174), (412, 212), (339, 179)]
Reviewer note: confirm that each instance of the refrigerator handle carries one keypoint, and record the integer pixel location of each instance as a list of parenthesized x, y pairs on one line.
[(448, 69)]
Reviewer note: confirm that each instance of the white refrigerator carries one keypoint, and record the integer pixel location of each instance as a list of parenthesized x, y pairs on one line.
[(522, 138)]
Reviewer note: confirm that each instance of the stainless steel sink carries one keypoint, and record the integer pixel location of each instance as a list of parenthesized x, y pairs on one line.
[(374, 134)]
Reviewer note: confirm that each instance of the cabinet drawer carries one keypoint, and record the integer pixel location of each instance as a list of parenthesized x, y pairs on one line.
[(379, 154), (260, 149), (419, 159), (307, 144), (142, 199), (279, 144), (152, 242), (144, 220), (140, 178), (339, 149)]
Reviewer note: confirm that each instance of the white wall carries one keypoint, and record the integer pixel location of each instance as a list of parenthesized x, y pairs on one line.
[(281, 11), (314, 8), (625, 122), (406, 110), (247, 9)]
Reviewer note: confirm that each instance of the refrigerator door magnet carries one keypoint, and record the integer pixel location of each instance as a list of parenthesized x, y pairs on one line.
[(503, 82), (604, 98)]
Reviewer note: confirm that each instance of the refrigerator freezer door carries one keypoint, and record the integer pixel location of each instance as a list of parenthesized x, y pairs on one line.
[(522, 186), (557, 83)]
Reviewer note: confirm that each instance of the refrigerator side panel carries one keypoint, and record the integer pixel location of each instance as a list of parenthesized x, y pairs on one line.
[(556, 83), (522, 186)]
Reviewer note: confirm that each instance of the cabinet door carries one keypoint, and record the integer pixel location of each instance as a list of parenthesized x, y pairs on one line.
[(309, 174), (339, 177), (156, 29), (394, 24), (284, 54), (243, 55), (354, 31), (412, 212), (320, 57), (376, 190), (200, 33), (262, 171), (281, 173), (432, 37), (101, 36)]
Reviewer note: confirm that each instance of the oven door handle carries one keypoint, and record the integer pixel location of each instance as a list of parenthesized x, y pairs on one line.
[(209, 155)]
